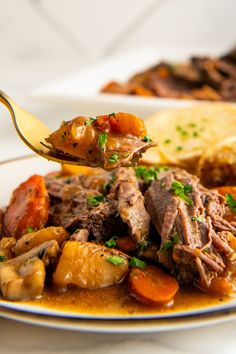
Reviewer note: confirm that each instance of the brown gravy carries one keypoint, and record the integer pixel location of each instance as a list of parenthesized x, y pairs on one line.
[(116, 300)]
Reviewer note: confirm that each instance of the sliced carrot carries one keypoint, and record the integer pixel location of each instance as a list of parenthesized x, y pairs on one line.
[(229, 215), (125, 123), (227, 190), (222, 286), (126, 244), (28, 207), (152, 285)]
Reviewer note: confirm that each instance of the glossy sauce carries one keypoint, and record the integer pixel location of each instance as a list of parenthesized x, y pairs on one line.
[(116, 300)]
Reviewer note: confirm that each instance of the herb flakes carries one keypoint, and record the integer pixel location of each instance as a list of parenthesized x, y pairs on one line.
[(2, 258), (135, 262), (112, 242), (116, 260), (114, 158), (95, 200), (147, 139), (170, 243), (182, 190), (231, 202), (102, 140)]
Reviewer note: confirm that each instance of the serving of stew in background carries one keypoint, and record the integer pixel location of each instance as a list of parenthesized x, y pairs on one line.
[(129, 238)]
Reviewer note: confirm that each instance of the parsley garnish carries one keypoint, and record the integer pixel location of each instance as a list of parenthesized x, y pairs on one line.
[(170, 243), (2, 258), (196, 218), (116, 260), (181, 190), (135, 262), (195, 134), (114, 158), (167, 141), (192, 125), (181, 131), (30, 230), (112, 242), (90, 121), (67, 180), (179, 148), (112, 114), (143, 245), (147, 139), (231, 202), (95, 200), (102, 140), (148, 174)]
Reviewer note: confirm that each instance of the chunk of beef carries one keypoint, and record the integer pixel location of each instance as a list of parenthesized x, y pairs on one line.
[(55, 186), (130, 203), (72, 210), (193, 246)]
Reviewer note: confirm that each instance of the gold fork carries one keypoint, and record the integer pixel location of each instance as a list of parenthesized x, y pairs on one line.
[(33, 132)]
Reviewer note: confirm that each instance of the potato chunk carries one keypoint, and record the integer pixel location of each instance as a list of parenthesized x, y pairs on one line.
[(89, 266), (22, 281), (33, 239)]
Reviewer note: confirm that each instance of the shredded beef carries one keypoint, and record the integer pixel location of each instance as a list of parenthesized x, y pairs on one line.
[(201, 250), (130, 203)]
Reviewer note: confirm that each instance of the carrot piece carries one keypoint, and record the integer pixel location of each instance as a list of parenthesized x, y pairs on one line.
[(227, 190), (28, 207), (222, 286), (229, 215), (126, 244), (125, 123), (152, 285)]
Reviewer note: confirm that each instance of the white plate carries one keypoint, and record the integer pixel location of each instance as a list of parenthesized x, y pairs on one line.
[(81, 89), (12, 173)]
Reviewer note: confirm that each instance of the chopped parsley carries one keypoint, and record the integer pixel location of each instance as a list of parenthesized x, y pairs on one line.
[(231, 202), (135, 262), (170, 243), (206, 250), (195, 134), (30, 230), (147, 139), (102, 140), (2, 258), (143, 245), (181, 131), (196, 218), (192, 125), (112, 242), (107, 186), (90, 121), (147, 174), (95, 200), (67, 180), (179, 148), (167, 141), (112, 114), (116, 260), (182, 190), (114, 158)]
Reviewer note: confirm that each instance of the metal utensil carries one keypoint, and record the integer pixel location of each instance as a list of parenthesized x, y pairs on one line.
[(33, 132)]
